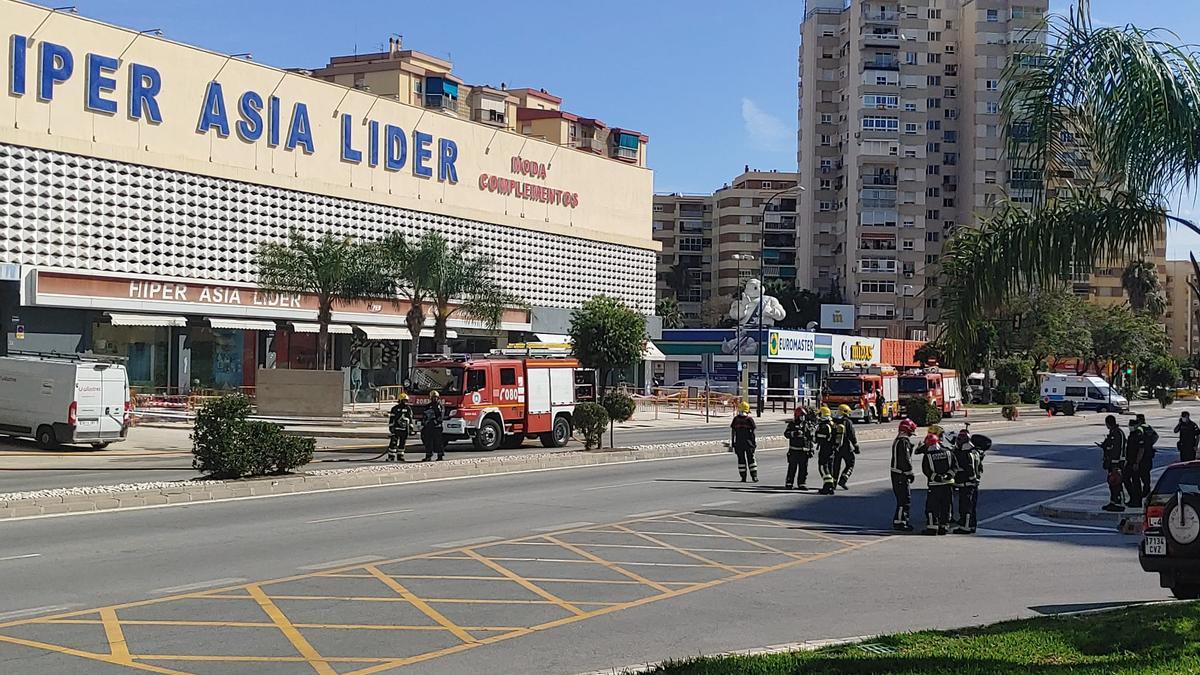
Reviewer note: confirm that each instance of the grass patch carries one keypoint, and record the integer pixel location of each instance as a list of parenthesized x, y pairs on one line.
[(1152, 639)]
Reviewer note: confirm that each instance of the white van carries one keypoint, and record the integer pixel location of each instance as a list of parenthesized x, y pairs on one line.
[(59, 399), (1087, 392)]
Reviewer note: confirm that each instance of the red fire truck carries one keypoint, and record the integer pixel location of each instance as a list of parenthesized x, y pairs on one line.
[(500, 399), (939, 385), (861, 388)]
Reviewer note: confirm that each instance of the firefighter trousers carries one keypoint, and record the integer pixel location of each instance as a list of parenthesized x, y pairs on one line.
[(825, 466), (1133, 484), (745, 458), (396, 443), (1144, 476), (937, 507), (797, 470), (968, 501), (900, 488), (843, 465)]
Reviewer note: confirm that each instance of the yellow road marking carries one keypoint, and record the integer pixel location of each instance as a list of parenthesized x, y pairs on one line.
[(525, 583), (289, 631), (114, 634), (610, 565), (421, 605), (747, 540), (706, 561), (268, 624), (106, 658)]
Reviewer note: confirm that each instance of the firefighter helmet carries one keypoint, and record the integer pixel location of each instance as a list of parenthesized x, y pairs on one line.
[(823, 411), (844, 409), (744, 407), (936, 429), (402, 396), (931, 440), (907, 426)]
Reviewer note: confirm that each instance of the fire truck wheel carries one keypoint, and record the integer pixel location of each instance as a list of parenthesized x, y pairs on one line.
[(489, 435), (558, 436)]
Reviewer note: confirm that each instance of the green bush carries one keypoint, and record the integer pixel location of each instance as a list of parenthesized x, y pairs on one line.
[(1030, 394), (1009, 412), (921, 411), (1013, 373), (619, 405), (1011, 398), (225, 444), (591, 419)]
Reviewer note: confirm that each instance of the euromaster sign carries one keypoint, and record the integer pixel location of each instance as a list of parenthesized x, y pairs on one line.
[(79, 86), (792, 346)]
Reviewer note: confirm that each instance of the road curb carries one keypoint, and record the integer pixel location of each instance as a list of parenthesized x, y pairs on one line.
[(1087, 514)]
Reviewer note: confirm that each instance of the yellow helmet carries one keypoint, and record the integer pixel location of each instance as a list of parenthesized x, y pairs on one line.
[(402, 397), (744, 407), (844, 409), (823, 411), (936, 429), (435, 394)]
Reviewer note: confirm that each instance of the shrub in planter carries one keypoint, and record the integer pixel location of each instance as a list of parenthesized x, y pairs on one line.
[(590, 420), (1165, 397), (227, 445), (921, 411), (619, 405), (1010, 412), (1030, 394)]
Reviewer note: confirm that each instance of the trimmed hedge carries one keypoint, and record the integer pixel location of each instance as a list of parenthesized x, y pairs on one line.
[(920, 410), (619, 405), (225, 444)]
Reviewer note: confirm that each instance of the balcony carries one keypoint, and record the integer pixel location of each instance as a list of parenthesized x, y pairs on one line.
[(590, 145), (882, 64), (780, 222), (623, 153), (489, 116), (876, 266), (880, 179), (442, 102), (877, 39), (880, 17)]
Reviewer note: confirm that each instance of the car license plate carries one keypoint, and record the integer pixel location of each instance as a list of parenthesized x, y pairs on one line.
[(1156, 545)]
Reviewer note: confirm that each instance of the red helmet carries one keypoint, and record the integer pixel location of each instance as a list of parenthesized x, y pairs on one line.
[(907, 426), (931, 440), (799, 412)]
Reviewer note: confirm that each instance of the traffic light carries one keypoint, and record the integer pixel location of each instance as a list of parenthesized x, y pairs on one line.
[(1128, 370)]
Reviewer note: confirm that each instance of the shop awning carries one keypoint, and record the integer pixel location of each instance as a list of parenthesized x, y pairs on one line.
[(428, 332), (396, 332), (334, 328), (653, 353), (552, 338), (155, 320), (240, 324)]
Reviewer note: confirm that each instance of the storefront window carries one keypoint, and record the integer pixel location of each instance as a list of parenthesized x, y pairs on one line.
[(373, 364), (218, 358), (145, 348)]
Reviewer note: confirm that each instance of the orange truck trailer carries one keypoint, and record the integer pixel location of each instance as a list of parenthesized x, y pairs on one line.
[(862, 389), (502, 398)]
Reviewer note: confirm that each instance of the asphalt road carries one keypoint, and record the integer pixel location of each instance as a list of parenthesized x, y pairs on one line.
[(561, 571)]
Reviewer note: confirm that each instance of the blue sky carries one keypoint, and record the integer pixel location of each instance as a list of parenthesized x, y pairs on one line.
[(712, 83)]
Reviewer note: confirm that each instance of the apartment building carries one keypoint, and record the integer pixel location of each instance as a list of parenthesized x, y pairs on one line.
[(900, 142), (711, 242), (425, 81), (1182, 306)]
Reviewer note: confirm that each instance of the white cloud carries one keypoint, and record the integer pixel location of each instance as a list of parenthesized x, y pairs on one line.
[(764, 130)]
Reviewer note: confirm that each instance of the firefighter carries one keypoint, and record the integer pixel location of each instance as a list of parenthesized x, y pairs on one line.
[(939, 469), (800, 433), (744, 442), (969, 460), (1149, 438), (1113, 460), (829, 438), (1134, 448), (400, 423), (902, 474), (431, 427), (847, 450)]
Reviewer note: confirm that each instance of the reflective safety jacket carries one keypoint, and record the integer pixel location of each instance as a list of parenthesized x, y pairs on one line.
[(743, 432), (902, 451), (400, 419), (800, 434), (938, 465), (969, 462)]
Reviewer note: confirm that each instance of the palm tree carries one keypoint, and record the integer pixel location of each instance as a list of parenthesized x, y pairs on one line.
[(410, 266), (1140, 281), (1101, 128), (462, 281), (668, 309), (332, 269)]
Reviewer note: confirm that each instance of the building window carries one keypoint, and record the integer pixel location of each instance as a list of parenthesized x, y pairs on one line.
[(880, 100), (910, 58), (933, 103), (932, 214), (933, 192), (992, 85), (908, 245), (826, 118), (910, 107), (910, 127), (933, 80), (934, 13), (880, 124), (949, 49), (989, 177), (824, 206), (950, 136), (933, 235), (826, 184), (990, 131), (933, 147), (877, 286), (934, 36), (933, 125), (881, 80), (659, 208), (933, 57), (950, 92), (992, 108)]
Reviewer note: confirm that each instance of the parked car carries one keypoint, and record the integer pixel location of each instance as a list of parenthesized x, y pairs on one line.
[(1170, 544), (59, 399)]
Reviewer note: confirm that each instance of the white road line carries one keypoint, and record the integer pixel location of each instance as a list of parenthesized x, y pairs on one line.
[(466, 542), (984, 532), (361, 515), (21, 557), (1056, 498), (564, 526), (33, 611), (647, 514), (341, 563), (170, 590), (619, 485), (727, 502), (1042, 522)]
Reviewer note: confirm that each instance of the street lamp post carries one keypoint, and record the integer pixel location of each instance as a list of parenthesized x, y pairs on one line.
[(762, 287), (739, 257)]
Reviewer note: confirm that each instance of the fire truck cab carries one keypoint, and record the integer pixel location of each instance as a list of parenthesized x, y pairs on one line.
[(861, 388), (939, 385), (504, 397)]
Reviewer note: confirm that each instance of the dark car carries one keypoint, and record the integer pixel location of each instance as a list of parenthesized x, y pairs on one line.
[(1171, 542)]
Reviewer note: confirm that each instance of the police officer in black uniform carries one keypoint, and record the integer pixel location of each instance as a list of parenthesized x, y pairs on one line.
[(1149, 438), (800, 433), (902, 475), (1189, 436), (1113, 462), (1134, 450)]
